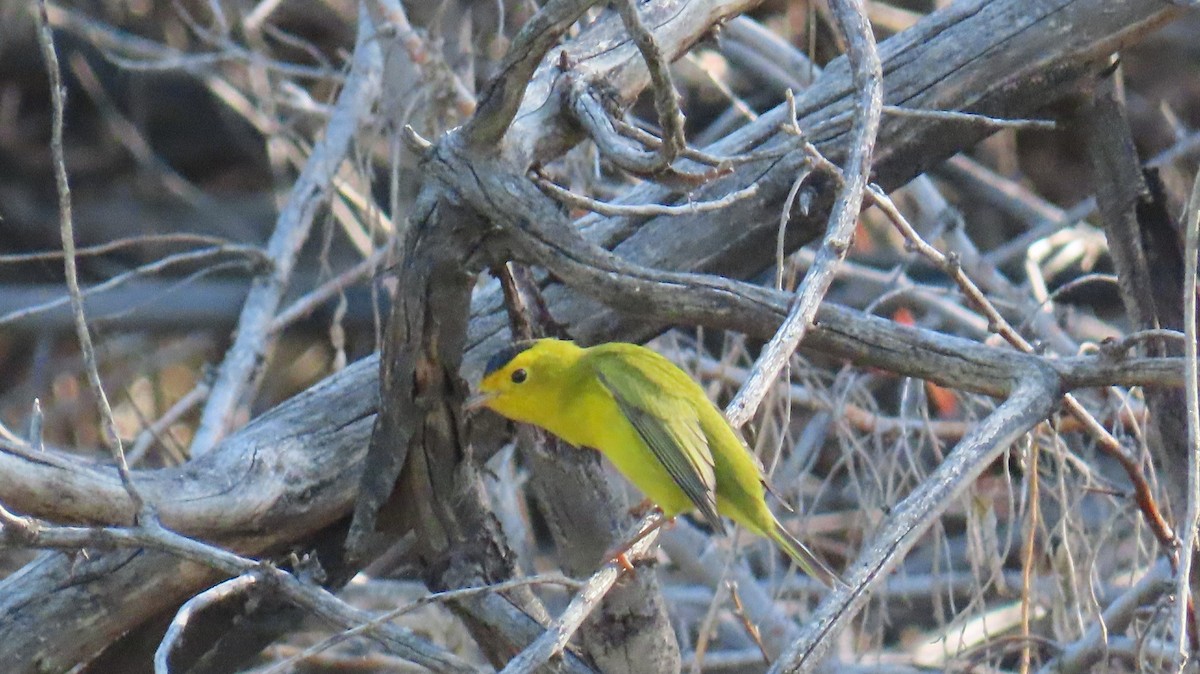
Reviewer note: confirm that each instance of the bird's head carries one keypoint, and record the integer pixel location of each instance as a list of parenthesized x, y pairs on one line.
[(525, 380)]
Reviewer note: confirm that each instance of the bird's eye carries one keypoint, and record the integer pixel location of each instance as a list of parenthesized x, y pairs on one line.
[(519, 376)]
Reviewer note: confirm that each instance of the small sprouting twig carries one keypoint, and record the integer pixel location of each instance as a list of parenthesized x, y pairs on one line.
[(250, 347), (643, 210), (868, 76), (1191, 519), (666, 98), (785, 216), (747, 624), (67, 231)]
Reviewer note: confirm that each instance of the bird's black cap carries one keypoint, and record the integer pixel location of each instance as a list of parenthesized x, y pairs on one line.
[(504, 356)]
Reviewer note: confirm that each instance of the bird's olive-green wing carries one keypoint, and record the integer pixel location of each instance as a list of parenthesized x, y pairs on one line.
[(668, 425)]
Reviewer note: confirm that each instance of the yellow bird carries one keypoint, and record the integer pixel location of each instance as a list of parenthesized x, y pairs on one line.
[(650, 419)]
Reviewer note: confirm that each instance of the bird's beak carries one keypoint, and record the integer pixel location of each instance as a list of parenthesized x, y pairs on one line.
[(476, 401)]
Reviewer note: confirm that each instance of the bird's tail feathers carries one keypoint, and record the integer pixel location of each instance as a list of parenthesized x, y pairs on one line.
[(804, 558)]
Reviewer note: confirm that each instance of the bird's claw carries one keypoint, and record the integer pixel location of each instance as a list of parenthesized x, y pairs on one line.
[(639, 511)]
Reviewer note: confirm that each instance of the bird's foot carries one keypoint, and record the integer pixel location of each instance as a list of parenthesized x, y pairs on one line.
[(620, 556), (639, 511), (620, 553)]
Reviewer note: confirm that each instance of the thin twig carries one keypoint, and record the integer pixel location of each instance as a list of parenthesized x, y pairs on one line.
[(132, 138), (740, 611), (704, 631), (307, 303), (128, 242), (67, 232), (1027, 555), (250, 254), (971, 118), (145, 439), (868, 80)]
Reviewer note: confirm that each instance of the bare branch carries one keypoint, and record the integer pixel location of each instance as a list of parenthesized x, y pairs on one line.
[(1033, 397), (996, 322), (666, 98), (151, 536), (233, 383), (868, 80), (1191, 520), (553, 640)]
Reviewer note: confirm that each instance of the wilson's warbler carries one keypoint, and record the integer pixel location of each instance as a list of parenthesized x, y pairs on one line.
[(651, 420)]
